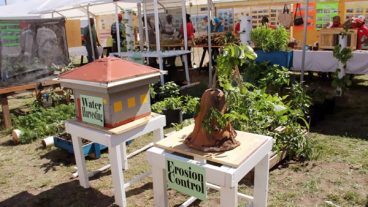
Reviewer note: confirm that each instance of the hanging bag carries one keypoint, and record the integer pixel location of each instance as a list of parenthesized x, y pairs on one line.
[(285, 18), (298, 19)]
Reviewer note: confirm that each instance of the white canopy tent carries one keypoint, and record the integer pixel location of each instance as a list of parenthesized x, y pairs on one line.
[(20, 10), (86, 7)]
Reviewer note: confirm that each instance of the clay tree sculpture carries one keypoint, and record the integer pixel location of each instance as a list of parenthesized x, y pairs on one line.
[(212, 132)]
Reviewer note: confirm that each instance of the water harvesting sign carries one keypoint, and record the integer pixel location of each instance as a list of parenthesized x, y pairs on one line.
[(186, 178), (92, 110)]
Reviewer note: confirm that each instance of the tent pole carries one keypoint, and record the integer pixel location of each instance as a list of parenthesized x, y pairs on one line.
[(185, 31), (158, 48), (146, 28), (140, 27), (90, 35), (117, 27), (304, 41), (209, 17)]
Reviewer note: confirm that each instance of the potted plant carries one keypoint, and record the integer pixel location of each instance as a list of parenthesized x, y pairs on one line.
[(271, 45), (172, 108), (190, 106), (64, 141)]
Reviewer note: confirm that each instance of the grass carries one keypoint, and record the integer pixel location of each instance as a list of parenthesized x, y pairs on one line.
[(337, 174)]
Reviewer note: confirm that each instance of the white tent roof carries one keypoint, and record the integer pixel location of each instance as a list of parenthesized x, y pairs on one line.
[(20, 9), (76, 8)]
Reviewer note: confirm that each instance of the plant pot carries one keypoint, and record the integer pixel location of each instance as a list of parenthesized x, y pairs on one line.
[(173, 116), (188, 116), (281, 58), (89, 148)]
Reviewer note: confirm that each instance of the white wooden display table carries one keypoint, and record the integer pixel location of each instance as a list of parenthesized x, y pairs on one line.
[(153, 54), (81, 51), (230, 167), (324, 61), (115, 140), (160, 55)]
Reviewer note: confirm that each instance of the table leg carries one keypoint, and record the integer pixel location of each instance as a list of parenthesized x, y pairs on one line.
[(117, 175), (161, 65), (159, 187), (124, 156), (6, 112), (261, 182), (80, 161), (202, 58), (158, 134), (229, 196), (186, 68)]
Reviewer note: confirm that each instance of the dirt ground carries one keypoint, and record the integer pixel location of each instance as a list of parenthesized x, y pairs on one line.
[(338, 173)]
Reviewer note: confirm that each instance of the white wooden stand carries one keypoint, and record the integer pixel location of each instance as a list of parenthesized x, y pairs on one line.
[(115, 140), (224, 178)]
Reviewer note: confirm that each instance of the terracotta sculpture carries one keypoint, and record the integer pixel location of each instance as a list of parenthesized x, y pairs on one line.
[(218, 139)]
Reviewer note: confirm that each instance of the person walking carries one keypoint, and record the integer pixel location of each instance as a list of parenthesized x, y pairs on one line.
[(91, 43)]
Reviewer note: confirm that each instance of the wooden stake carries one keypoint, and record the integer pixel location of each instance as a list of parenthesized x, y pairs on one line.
[(6, 112)]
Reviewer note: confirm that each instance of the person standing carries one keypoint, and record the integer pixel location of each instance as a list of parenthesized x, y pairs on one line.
[(218, 24), (91, 43), (168, 29), (362, 32), (336, 23), (190, 36), (121, 34), (237, 28)]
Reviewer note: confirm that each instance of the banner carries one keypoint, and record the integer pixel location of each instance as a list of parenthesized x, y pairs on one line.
[(186, 178), (92, 110), (325, 12), (29, 49)]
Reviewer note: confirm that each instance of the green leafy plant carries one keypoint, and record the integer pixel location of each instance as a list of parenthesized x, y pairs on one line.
[(188, 104), (41, 122), (159, 92), (252, 108), (299, 99), (343, 55), (273, 78), (228, 64), (343, 83), (269, 40)]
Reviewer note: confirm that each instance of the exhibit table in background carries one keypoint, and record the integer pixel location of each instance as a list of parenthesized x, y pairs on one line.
[(324, 61), (223, 171), (6, 91), (82, 51), (155, 54), (115, 139)]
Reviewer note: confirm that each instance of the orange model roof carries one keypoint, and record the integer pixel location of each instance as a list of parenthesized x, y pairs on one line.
[(107, 70)]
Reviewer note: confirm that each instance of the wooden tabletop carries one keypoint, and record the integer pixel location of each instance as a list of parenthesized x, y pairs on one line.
[(249, 143)]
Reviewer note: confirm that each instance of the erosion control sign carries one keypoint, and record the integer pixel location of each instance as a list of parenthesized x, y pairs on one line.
[(92, 110), (186, 178)]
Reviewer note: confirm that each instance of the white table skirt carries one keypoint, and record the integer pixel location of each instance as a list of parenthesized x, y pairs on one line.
[(323, 61), (81, 51)]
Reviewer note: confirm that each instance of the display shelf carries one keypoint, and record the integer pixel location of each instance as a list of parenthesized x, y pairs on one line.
[(153, 54)]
